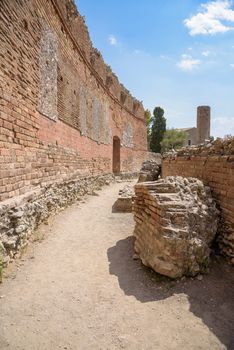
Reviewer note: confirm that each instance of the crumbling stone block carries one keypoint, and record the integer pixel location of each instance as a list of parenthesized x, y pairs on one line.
[(176, 222), (212, 163), (124, 202), (150, 170)]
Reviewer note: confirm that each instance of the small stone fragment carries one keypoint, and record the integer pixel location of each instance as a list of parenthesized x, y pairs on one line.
[(135, 257)]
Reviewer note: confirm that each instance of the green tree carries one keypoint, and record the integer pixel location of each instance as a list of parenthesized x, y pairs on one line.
[(173, 139), (148, 118), (158, 129)]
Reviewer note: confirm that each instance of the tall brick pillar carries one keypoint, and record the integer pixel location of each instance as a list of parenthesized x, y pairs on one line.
[(203, 123)]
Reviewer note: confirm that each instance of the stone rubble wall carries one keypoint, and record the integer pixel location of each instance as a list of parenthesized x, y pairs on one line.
[(20, 216), (175, 223), (157, 157), (214, 165), (150, 170)]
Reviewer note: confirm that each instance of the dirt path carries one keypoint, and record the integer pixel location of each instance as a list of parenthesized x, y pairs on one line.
[(81, 289)]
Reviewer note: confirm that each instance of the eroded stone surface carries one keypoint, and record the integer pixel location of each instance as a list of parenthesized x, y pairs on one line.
[(176, 221), (150, 170), (19, 217), (47, 102), (212, 163), (124, 202)]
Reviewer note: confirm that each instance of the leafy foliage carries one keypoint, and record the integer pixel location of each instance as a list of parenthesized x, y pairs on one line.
[(158, 129), (173, 139), (148, 118)]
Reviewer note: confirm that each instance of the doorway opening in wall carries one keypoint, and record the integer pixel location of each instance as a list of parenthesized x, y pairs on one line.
[(189, 142), (116, 155)]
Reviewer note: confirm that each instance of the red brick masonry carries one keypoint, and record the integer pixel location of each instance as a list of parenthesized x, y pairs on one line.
[(60, 105), (214, 164)]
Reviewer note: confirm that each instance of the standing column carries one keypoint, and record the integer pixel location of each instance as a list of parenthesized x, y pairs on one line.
[(203, 123)]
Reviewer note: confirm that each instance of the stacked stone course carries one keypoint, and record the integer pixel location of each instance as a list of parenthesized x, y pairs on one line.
[(212, 163)]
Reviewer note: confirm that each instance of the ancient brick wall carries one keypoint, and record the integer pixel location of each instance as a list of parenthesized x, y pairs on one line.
[(214, 164), (60, 105)]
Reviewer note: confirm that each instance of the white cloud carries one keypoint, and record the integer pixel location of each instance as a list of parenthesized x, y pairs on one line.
[(164, 57), (188, 63), (232, 65), (206, 53), (223, 126), (112, 40), (210, 19)]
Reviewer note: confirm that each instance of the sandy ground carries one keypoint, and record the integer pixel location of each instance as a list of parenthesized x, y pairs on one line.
[(79, 288)]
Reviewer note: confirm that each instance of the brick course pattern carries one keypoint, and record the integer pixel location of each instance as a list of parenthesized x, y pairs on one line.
[(214, 165), (60, 105), (175, 224)]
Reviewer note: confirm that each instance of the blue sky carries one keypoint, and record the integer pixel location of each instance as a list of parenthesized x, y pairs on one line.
[(176, 54)]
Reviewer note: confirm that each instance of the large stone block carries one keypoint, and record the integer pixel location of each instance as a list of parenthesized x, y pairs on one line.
[(124, 202), (176, 222), (150, 170)]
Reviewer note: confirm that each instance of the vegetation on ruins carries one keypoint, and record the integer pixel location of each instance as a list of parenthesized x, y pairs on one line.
[(173, 139), (148, 118), (158, 129)]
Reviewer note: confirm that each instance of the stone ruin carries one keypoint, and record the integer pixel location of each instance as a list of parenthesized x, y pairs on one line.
[(21, 216), (150, 170), (176, 221), (124, 202), (213, 163)]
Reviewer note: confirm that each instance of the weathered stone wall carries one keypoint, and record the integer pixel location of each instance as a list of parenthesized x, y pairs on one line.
[(20, 216), (214, 164), (60, 105)]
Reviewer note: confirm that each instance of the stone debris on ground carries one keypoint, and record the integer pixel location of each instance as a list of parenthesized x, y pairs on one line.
[(125, 199), (150, 170), (19, 218), (217, 147), (175, 224), (126, 176)]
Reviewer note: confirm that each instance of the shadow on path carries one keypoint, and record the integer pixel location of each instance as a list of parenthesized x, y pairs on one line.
[(211, 299)]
